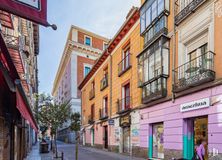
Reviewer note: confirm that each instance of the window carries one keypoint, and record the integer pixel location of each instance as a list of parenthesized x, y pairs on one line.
[(126, 97), (158, 140), (87, 41), (153, 60), (150, 11), (160, 6), (142, 23), (105, 107), (124, 65), (154, 10), (155, 29), (148, 17), (105, 45), (92, 112), (86, 70)]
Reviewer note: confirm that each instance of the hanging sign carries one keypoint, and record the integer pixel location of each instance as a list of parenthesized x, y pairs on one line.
[(33, 10), (125, 121)]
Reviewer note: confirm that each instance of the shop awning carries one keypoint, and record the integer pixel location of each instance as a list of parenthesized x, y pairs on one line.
[(23, 106)]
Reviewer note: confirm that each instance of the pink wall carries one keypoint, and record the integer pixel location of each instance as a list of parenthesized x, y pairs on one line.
[(88, 135), (170, 114), (98, 134)]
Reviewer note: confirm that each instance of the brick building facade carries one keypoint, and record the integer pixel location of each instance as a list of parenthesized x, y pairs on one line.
[(81, 51)]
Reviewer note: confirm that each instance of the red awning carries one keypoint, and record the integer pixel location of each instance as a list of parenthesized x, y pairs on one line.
[(24, 110)]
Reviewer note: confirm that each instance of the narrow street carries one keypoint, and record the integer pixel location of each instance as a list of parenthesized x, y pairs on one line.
[(90, 153)]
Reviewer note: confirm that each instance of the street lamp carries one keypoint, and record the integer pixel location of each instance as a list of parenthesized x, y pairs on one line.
[(53, 26)]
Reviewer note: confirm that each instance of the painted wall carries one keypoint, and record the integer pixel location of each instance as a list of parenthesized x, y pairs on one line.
[(170, 114), (133, 37), (99, 95)]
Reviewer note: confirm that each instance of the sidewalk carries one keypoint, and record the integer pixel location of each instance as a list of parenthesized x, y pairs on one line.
[(35, 155)]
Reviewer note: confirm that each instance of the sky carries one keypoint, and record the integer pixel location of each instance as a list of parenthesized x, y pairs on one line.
[(103, 17)]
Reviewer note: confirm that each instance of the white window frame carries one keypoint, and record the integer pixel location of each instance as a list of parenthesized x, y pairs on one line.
[(84, 66), (85, 36), (104, 43)]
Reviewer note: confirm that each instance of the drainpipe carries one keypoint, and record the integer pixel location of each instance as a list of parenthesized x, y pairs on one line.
[(110, 92), (174, 53)]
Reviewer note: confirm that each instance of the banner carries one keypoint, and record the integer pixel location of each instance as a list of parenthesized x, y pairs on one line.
[(33, 10)]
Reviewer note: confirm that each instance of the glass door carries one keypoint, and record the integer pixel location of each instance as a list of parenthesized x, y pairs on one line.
[(158, 149), (201, 133)]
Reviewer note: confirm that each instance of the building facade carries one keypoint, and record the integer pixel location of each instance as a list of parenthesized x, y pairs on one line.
[(81, 51), (110, 93), (181, 78), (19, 85), (163, 85)]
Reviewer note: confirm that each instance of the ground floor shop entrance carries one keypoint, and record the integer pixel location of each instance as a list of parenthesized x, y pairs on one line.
[(106, 137), (126, 140), (157, 146), (196, 132)]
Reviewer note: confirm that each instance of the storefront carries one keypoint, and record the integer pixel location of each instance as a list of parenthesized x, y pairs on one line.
[(172, 130)]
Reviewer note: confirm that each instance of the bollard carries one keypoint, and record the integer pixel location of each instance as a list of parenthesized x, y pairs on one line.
[(62, 155)]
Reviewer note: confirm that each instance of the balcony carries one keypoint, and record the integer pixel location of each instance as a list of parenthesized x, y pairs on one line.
[(123, 105), (124, 65), (104, 83), (91, 119), (184, 8), (103, 113), (154, 90), (92, 94), (195, 72)]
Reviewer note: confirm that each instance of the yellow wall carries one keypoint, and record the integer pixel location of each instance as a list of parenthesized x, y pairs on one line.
[(131, 75), (99, 95), (136, 44)]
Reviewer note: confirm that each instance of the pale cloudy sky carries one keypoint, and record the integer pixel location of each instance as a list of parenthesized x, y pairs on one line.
[(103, 17)]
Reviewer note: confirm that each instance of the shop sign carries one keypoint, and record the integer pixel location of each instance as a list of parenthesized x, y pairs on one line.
[(199, 104), (125, 121), (111, 121), (33, 10)]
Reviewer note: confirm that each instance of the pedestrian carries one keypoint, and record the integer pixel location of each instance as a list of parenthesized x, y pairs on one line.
[(199, 151)]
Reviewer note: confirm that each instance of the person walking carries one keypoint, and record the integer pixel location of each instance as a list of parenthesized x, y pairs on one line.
[(199, 150)]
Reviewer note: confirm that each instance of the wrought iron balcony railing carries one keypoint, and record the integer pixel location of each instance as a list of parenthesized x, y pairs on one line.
[(103, 113), (155, 90), (195, 72), (104, 83), (91, 119), (184, 8), (123, 105), (124, 65), (92, 94)]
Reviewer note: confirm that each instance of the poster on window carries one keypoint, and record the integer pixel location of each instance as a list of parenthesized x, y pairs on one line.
[(31, 3), (158, 150)]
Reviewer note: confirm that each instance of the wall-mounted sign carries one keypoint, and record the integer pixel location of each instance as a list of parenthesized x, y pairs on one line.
[(124, 121), (111, 121), (33, 10), (199, 104), (31, 3)]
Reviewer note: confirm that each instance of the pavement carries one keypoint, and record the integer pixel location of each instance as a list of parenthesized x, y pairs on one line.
[(85, 153), (35, 155), (88, 153)]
